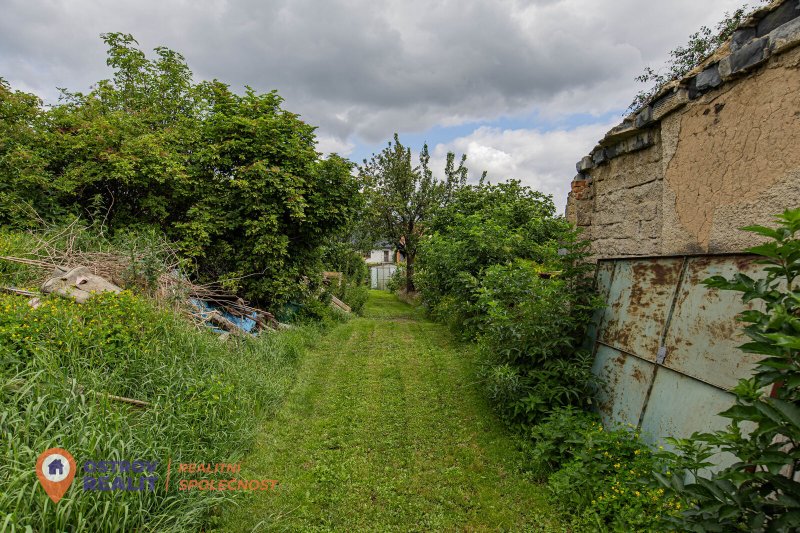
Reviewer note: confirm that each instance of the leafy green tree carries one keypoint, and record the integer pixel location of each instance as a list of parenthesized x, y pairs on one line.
[(233, 179), (21, 159), (403, 198)]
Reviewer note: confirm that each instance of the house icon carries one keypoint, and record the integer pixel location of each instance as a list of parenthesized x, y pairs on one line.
[(55, 467)]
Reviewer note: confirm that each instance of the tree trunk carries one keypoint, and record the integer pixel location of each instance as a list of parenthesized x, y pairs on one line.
[(409, 272)]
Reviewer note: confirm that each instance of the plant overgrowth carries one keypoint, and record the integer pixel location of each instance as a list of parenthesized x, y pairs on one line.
[(683, 59), (502, 269), (760, 491), (58, 363), (233, 179)]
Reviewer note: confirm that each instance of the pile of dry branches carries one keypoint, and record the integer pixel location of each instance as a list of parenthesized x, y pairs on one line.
[(152, 268)]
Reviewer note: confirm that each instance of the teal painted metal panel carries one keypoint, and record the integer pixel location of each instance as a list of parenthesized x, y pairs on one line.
[(667, 346), (603, 276), (704, 334), (679, 406), (627, 380), (638, 304)]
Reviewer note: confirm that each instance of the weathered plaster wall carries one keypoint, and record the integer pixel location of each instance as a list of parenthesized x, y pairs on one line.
[(705, 158)]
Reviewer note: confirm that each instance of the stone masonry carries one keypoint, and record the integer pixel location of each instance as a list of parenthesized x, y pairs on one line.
[(712, 152)]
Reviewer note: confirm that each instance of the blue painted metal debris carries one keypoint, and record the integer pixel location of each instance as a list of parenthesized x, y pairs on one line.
[(207, 309)]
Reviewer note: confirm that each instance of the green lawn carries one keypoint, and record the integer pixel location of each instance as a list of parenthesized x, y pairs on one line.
[(387, 430)]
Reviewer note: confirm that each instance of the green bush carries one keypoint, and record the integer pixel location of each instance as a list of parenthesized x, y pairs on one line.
[(600, 478), (233, 179), (397, 281), (355, 296), (532, 327), (59, 361), (483, 225), (353, 288), (502, 269)]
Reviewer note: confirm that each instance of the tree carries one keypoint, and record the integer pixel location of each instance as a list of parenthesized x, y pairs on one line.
[(403, 198), (21, 159), (233, 179)]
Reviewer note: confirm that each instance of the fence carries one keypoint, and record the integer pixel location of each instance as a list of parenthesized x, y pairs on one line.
[(380, 275), (667, 346)]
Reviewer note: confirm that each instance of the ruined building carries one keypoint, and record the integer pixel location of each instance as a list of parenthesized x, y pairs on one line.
[(662, 198)]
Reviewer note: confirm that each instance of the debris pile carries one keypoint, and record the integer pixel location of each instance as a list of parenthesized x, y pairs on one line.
[(155, 269)]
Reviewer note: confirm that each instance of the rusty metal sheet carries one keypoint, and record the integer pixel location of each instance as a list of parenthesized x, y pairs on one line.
[(627, 380), (679, 406), (638, 304), (603, 277), (703, 334), (605, 272)]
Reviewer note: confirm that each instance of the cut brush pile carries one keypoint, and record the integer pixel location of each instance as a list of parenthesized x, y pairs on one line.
[(58, 261)]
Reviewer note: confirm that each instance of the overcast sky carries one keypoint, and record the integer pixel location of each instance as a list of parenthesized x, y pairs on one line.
[(525, 88)]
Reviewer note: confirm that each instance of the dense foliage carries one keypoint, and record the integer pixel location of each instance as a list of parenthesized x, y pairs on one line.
[(402, 198), (353, 287), (758, 492), (233, 179), (599, 477), (501, 268)]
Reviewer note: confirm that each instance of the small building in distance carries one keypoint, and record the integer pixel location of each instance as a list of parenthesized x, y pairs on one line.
[(382, 261), (382, 253)]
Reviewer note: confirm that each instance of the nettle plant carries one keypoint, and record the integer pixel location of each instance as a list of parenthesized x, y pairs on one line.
[(760, 492)]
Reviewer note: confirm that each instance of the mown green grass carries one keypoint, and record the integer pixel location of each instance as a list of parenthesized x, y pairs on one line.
[(386, 430), (206, 398)]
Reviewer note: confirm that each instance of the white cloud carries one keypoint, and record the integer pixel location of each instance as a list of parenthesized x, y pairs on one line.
[(329, 144), (543, 160)]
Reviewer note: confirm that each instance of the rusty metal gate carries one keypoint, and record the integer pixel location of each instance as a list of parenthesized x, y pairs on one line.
[(666, 345)]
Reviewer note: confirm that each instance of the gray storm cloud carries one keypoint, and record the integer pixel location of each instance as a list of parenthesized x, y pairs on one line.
[(362, 69), (368, 68)]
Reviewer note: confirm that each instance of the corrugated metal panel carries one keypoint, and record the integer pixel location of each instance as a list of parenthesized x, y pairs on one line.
[(704, 334), (638, 304), (627, 382)]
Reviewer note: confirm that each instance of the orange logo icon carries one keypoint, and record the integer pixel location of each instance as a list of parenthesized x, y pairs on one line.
[(55, 469)]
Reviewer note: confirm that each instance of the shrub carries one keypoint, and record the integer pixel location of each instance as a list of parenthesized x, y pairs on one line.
[(483, 225), (353, 287), (355, 296), (532, 326), (503, 270), (397, 281), (600, 478)]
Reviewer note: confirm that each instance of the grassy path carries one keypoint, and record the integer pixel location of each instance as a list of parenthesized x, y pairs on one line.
[(385, 430)]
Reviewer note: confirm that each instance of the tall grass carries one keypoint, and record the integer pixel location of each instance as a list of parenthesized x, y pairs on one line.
[(59, 361)]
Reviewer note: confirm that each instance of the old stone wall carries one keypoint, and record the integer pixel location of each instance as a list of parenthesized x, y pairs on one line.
[(711, 153)]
